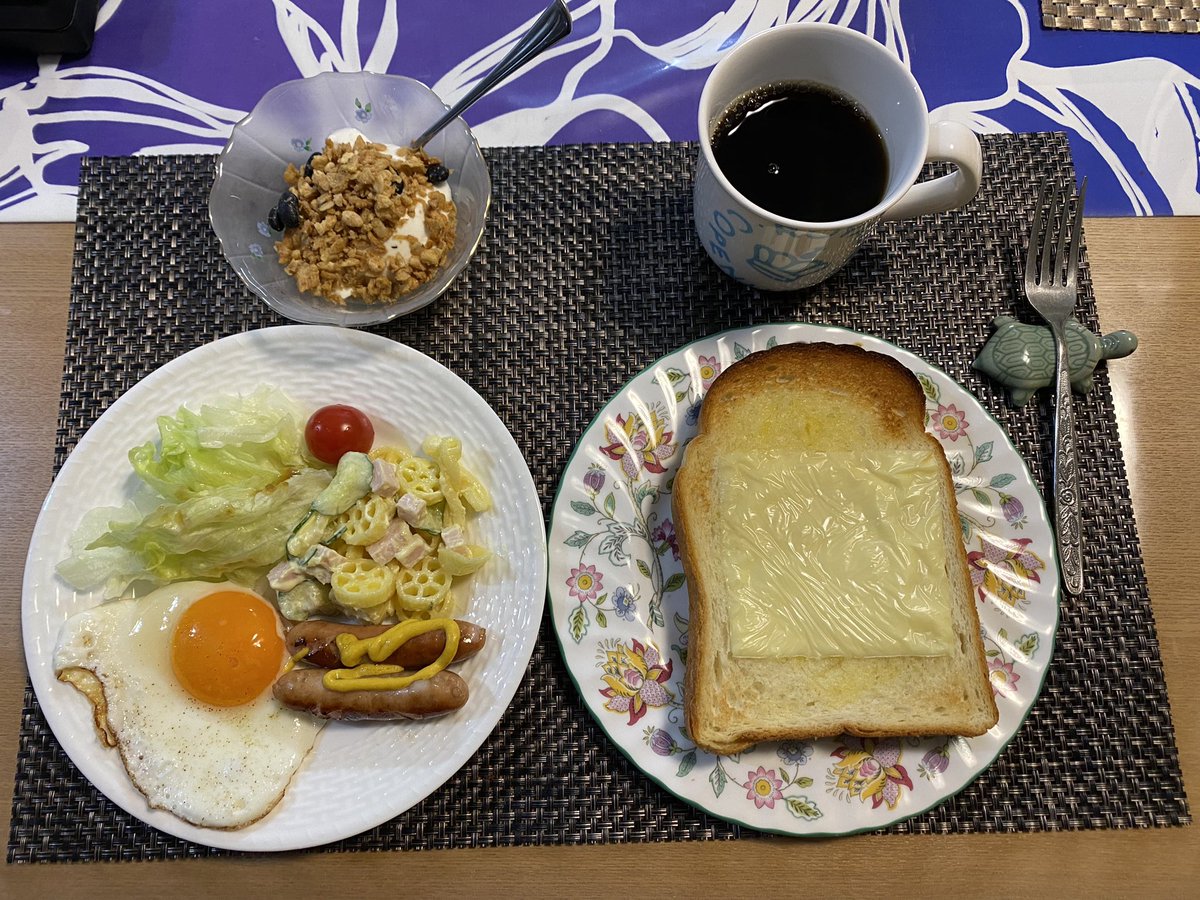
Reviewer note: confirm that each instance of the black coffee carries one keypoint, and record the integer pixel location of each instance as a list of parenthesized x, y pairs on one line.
[(802, 151)]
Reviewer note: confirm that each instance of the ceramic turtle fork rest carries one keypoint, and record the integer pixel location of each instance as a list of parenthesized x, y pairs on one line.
[(1021, 357)]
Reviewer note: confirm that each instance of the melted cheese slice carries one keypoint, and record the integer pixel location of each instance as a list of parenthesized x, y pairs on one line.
[(835, 554)]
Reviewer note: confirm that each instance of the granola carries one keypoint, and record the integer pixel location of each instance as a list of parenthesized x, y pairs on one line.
[(372, 226)]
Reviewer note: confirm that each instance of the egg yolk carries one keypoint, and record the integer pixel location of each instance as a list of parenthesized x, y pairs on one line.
[(227, 649)]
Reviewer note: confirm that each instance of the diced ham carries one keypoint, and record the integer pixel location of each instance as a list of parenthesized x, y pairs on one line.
[(413, 551), (286, 575), (384, 550), (321, 562), (325, 557), (411, 508), (453, 537), (384, 481)]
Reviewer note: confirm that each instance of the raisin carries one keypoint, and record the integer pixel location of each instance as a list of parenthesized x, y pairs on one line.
[(289, 209)]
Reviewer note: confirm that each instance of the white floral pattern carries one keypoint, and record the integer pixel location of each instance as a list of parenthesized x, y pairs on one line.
[(627, 72)]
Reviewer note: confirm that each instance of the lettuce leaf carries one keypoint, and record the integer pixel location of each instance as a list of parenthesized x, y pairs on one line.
[(220, 494), (252, 442)]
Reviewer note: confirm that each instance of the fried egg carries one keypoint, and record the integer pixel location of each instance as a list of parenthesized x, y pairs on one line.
[(180, 683)]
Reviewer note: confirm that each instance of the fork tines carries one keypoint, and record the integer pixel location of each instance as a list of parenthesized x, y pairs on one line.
[(1056, 205)]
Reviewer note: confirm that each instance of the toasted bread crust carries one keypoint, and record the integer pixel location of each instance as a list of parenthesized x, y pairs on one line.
[(872, 378), (682, 510), (890, 397)]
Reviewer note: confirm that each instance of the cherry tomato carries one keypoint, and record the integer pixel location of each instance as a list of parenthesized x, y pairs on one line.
[(334, 430)]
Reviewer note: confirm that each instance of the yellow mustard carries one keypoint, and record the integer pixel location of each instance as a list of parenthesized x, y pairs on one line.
[(295, 658), (835, 554), (376, 676)]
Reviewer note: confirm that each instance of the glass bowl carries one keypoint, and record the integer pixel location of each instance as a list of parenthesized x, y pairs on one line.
[(289, 123)]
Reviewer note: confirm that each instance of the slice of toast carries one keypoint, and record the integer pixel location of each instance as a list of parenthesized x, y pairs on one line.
[(817, 399)]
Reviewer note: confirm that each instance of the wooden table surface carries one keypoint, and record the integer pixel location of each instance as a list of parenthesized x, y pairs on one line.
[(1147, 276)]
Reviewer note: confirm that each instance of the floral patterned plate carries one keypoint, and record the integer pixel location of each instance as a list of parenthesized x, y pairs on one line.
[(618, 599)]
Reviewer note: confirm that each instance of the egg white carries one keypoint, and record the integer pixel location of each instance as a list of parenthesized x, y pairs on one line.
[(216, 767)]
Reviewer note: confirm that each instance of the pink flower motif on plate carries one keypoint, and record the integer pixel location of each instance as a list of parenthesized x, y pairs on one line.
[(949, 422), (585, 583), (763, 788), (710, 368), (1004, 679)]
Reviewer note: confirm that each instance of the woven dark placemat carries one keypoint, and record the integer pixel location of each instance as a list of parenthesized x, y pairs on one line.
[(588, 271), (1165, 16)]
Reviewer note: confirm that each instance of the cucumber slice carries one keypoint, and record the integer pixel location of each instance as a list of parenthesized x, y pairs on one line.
[(312, 530), (309, 531), (351, 482), (431, 522), (307, 599)]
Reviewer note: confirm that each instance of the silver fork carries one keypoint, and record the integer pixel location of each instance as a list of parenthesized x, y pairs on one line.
[(1050, 285)]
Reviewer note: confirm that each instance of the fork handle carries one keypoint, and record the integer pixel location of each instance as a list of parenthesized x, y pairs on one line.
[(1066, 473)]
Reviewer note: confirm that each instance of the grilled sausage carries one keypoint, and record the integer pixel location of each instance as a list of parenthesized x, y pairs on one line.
[(318, 637), (302, 689)]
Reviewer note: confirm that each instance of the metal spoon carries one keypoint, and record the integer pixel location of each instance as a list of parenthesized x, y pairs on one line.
[(551, 26)]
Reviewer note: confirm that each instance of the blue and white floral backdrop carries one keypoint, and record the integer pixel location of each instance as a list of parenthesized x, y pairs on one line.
[(168, 77)]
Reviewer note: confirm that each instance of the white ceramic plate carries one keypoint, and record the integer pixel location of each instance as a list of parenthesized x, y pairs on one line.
[(357, 775), (619, 603)]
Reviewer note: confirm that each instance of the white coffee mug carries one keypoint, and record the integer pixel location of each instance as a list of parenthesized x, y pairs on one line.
[(774, 253)]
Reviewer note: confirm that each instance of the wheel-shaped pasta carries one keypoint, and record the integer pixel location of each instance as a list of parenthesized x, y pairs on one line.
[(368, 520), (360, 584), (420, 477), (422, 587), (394, 455), (462, 560)]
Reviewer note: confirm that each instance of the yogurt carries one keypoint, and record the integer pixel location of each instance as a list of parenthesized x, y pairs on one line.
[(372, 225)]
